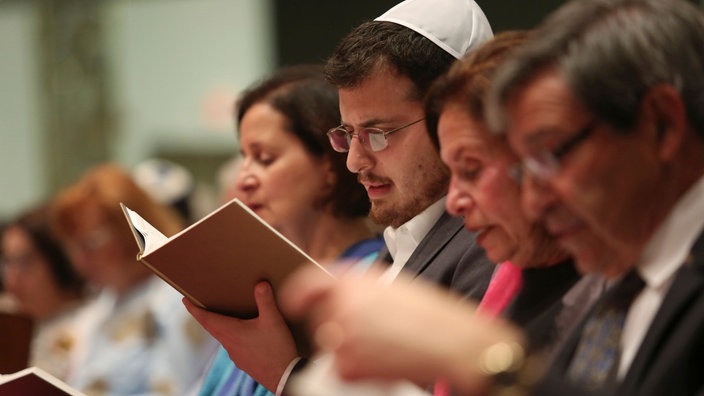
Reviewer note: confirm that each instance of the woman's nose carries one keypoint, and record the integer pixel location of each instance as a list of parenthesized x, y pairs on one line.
[(459, 202), (246, 179)]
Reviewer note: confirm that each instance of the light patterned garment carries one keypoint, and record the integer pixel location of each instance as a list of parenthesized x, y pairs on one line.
[(55, 341), (144, 343)]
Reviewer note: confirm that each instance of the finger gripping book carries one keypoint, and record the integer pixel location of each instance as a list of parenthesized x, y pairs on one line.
[(217, 261)]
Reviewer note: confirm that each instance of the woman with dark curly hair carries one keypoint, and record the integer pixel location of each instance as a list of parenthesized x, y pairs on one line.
[(38, 275)]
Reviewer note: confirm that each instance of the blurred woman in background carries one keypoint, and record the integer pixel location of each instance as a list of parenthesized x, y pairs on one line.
[(138, 337), (37, 273)]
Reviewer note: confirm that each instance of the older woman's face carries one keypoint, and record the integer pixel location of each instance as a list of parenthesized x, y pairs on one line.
[(278, 178), (482, 192)]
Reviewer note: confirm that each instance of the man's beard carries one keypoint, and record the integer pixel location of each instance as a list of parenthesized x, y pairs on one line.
[(395, 214)]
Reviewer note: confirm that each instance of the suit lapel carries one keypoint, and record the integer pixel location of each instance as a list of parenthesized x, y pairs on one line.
[(440, 235), (688, 284)]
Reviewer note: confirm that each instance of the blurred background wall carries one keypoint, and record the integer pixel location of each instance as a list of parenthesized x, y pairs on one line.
[(88, 81)]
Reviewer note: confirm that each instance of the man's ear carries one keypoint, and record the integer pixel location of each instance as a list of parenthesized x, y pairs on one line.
[(667, 113)]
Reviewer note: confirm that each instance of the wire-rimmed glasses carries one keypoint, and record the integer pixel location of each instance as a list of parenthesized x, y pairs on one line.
[(545, 164), (373, 138)]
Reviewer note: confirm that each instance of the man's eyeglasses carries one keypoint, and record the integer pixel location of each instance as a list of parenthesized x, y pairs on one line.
[(372, 138), (545, 164)]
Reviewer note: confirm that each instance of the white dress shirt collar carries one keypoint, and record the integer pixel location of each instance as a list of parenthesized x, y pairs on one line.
[(664, 254), (403, 241), (416, 228)]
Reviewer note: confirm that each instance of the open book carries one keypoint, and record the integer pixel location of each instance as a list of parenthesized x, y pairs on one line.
[(217, 261), (34, 381)]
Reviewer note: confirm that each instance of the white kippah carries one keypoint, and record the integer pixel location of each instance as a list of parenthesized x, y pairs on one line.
[(456, 26), (165, 181)]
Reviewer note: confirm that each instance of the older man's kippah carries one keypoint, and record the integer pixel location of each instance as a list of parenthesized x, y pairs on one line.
[(456, 26)]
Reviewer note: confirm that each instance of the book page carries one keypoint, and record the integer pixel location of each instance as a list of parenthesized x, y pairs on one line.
[(151, 238)]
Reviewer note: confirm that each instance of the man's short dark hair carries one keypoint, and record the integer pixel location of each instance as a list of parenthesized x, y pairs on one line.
[(611, 52), (377, 44)]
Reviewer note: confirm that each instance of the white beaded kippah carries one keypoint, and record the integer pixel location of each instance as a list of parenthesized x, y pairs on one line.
[(164, 180), (456, 26)]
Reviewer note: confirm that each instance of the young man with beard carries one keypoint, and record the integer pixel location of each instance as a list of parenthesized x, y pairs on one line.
[(383, 69)]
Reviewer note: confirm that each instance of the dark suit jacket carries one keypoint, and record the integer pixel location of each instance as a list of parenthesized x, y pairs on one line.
[(449, 256), (670, 360), (538, 305)]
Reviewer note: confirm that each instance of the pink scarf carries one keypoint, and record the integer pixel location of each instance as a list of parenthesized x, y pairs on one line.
[(504, 285)]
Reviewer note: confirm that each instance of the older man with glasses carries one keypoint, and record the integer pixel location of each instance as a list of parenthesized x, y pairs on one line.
[(605, 107)]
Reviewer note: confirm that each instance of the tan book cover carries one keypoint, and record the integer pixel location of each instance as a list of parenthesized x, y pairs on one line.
[(217, 261), (34, 381)]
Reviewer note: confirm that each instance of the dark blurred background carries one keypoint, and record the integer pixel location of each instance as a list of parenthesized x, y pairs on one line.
[(308, 30)]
